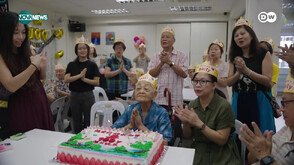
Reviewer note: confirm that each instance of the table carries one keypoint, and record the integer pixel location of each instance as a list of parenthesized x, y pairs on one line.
[(188, 94), (40, 146)]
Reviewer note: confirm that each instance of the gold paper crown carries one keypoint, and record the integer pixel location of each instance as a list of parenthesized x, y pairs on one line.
[(81, 40), (206, 68), (218, 43), (120, 39), (243, 21), (191, 67), (270, 41), (168, 29), (91, 45), (147, 77), (289, 85), (59, 66), (142, 45)]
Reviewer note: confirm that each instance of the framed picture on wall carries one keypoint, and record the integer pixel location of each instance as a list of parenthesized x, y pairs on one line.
[(95, 38), (110, 37)]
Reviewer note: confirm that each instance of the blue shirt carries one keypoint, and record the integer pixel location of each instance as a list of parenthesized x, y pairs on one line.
[(157, 119), (118, 84)]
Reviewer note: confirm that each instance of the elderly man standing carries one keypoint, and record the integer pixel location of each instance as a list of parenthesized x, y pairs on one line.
[(269, 149), (170, 67)]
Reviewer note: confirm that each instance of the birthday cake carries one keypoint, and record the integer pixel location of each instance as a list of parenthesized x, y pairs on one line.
[(98, 145)]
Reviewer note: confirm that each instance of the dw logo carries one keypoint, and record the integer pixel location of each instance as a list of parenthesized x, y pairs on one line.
[(264, 17)]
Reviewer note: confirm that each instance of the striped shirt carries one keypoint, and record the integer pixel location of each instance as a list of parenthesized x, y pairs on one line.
[(283, 147), (119, 83), (167, 78), (157, 119)]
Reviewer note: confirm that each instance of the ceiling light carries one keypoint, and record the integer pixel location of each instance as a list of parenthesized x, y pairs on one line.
[(287, 5), (132, 1), (110, 11), (189, 8)]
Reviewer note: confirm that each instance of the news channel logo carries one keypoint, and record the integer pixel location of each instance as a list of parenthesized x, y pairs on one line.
[(25, 17), (264, 17)]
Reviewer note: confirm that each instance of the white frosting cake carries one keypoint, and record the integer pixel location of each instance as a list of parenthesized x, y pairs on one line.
[(99, 145)]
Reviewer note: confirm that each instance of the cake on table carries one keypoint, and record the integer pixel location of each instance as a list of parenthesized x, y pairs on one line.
[(103, 146)]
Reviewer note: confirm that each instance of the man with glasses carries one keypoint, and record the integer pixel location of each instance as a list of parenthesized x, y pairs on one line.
[(277, 149)]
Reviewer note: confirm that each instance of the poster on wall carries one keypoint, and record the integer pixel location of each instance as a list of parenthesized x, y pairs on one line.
[(110, 37), (95, 38), (3, 6)]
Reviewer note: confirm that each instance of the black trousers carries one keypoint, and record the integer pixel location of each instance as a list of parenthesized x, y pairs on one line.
[(80, 104)]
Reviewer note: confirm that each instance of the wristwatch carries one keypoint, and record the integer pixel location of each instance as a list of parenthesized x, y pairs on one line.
[(267, 160), (171, 64), (202, 127)]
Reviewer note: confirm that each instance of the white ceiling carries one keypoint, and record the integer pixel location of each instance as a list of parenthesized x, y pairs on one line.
[(82, 8)]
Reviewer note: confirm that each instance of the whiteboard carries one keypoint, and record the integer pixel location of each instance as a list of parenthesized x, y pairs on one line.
[(202, 34)]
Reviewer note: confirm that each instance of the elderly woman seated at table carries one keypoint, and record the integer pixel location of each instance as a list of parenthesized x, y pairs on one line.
[(146, 114), (209, 121)]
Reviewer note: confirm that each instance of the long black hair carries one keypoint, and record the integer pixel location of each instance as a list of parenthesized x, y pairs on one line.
[(15, 61), (235, 50)]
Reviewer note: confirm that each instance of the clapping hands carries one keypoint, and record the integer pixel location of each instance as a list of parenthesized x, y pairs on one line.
[(164, 58), (187, 116)]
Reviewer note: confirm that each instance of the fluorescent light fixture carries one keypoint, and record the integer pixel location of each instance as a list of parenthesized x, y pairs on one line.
[(288, 5), (110, 11), (132, 1), (189, 8)]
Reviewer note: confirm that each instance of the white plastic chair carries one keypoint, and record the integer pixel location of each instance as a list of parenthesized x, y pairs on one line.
[(238, 125), (127, 103), (105, 108), (57, 108), (97, 91)]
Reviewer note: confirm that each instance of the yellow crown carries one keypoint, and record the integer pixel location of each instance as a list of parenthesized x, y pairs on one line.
[(206, 68), (59, 66), (191, 67), (270, 41), (218, 43), (81, 40), (289, 85), (243, 21), (147, 77), (120, 39), (168, 29), (91, 45)]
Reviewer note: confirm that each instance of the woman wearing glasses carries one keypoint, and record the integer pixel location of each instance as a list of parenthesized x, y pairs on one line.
[(209, 121)]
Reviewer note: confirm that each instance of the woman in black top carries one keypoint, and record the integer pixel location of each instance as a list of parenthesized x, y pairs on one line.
[(250, 75), (82, 76)]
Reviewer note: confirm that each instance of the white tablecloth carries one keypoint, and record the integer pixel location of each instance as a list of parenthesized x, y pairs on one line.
[(188, 94), (40, 146)]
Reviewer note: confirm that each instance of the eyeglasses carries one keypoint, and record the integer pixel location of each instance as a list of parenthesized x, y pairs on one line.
[(201, 82), (283, 102)]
